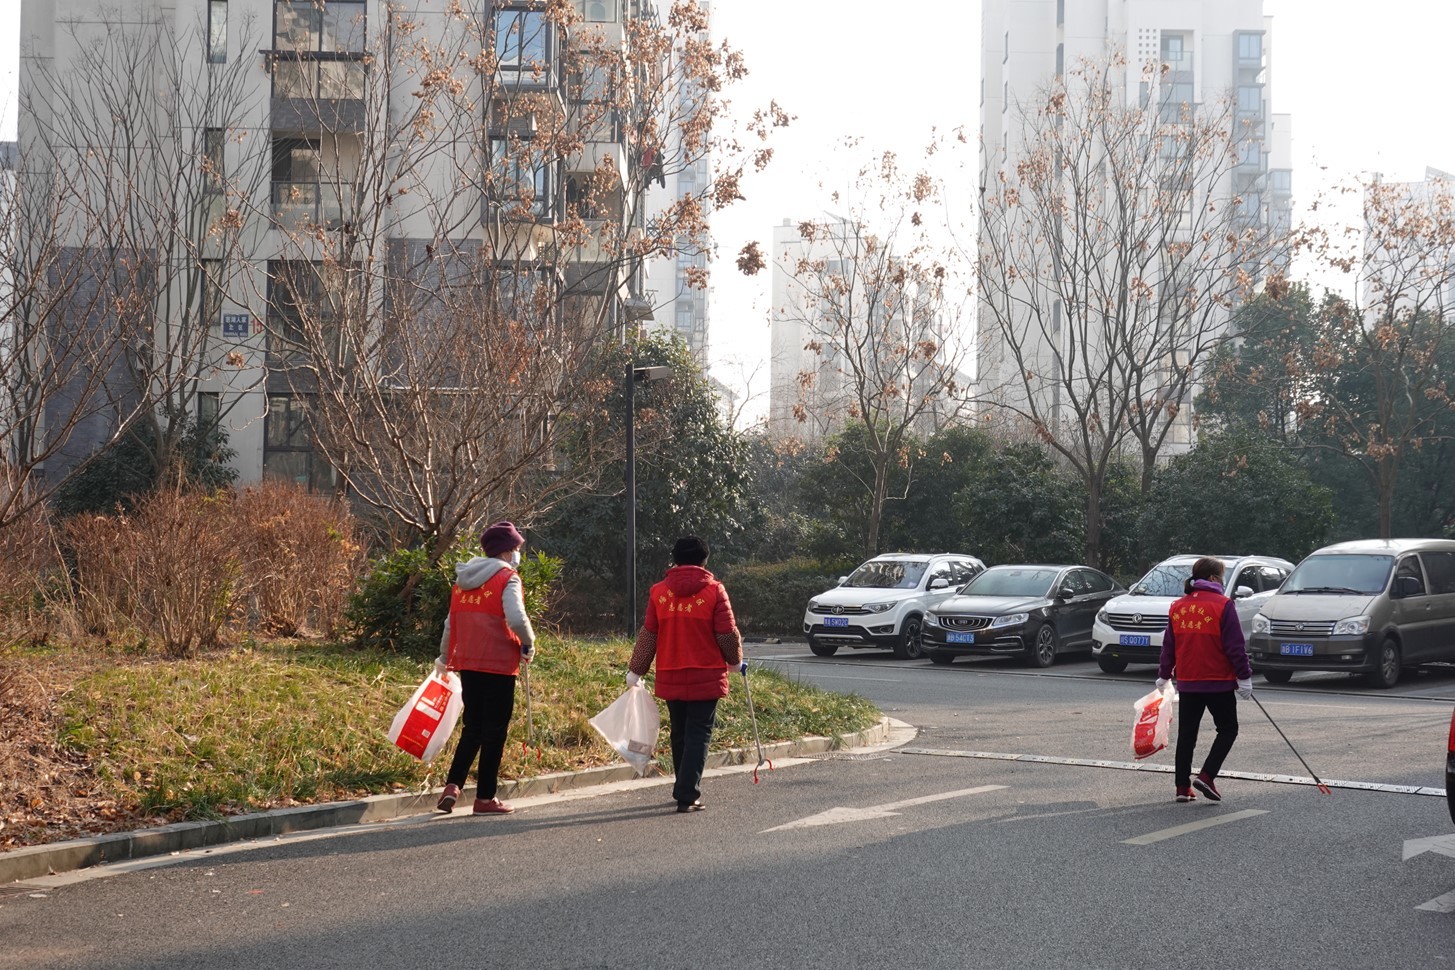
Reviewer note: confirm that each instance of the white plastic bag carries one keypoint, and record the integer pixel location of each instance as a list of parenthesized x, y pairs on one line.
[(630, 726), (1152, 723), (424, 724)]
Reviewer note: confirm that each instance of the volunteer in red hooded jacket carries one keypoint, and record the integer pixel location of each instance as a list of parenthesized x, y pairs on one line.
[(486, 637), (1204, 650), (690, 631)]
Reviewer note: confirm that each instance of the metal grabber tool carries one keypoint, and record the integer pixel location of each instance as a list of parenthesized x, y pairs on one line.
[(752, 714), (1317, 783), (530, 722)]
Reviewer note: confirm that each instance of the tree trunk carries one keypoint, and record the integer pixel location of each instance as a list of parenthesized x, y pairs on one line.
[(876, 508), (1093, 523)]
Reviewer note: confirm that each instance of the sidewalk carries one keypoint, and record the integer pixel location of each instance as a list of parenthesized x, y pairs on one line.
[(42, 860)]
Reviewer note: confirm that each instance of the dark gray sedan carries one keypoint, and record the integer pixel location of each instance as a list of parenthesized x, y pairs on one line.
[(1033, 611)]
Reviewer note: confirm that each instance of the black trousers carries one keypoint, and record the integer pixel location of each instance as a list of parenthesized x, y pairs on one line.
[(691, 724), (489, 701), (1224, 708)]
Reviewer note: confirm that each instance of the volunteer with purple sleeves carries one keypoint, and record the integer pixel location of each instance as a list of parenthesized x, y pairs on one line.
[(1203, 649), (486, 637)]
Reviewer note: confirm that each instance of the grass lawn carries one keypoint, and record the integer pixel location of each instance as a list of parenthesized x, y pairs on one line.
[(108, 742)]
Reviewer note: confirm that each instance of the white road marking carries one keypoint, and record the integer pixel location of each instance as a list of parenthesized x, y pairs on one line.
[(835, 816), (1191, 827), (1443, 844), (1440, 904)]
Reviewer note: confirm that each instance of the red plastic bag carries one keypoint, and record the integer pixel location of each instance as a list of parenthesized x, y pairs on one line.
[(424, 724), (1152, 723)]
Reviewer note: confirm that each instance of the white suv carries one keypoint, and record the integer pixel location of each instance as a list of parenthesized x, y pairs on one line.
[(1129, 629), (881, 605)]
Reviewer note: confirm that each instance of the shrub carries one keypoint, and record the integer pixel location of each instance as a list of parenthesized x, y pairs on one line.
[(771, 597), (403, 602), (29, 562), (167, 572), (300, 557)]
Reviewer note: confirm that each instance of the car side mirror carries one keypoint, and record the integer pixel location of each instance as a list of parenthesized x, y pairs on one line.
[(1065, 593), (1406, 586), (843, 580), (939, 583), (1242, 592)]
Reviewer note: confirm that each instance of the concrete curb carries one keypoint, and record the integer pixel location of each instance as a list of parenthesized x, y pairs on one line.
[(42, 860)]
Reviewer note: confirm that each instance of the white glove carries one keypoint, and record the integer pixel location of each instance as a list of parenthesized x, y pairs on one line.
[(633, 679), (1245, 689), (1162, 683), (440, 667)]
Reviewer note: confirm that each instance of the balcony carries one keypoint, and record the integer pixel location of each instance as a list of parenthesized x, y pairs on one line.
[(299, 205)]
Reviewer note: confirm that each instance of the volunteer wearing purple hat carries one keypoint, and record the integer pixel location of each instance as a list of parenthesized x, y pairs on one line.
[(1204, 649), (486, 637)]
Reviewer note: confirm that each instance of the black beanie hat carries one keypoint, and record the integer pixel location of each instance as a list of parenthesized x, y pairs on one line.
[(690, 551)]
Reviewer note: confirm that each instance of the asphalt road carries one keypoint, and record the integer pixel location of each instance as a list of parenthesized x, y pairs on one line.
[(917, 856)]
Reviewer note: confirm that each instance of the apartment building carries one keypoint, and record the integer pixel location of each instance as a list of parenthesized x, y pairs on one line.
[(1188, 60), (320, 177)]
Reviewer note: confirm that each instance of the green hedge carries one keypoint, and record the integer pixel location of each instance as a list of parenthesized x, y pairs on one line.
[(769, 598)]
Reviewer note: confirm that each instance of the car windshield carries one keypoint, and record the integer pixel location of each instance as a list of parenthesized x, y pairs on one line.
[(1164, 579), (1340, 574), (1017, 581), (887, 574)]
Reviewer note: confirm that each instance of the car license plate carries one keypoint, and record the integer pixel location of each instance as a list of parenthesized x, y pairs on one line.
[(1133, 640), (1296, 649), (960, 637), (836, 621)]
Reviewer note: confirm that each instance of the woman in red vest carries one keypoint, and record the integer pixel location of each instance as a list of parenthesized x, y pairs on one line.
[(690, 631), (1204, 649), (486, 637)]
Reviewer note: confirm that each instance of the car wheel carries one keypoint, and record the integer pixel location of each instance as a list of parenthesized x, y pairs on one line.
[(941, 657), (822, 649), (1042, 651), (1111, 665), (1278, 676), (1386, 675), (910, 646)]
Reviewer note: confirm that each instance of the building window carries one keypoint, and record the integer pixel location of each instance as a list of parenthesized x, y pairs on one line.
[(517, 180), (305, 302), (319, 49), (1250, 99), (217, 31), (522, 40), (1250, 48), (214, 145), (1175, 53), (600, 11), (209, 409), (288, 443), (1060, 13), (210, 285), (1060, 59)]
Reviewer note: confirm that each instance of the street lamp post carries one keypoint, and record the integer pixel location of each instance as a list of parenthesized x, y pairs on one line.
[(634, 375)]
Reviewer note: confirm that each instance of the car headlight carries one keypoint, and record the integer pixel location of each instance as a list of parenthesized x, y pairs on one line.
[(1260, 623), (1010, 619), (1353, 625), (813, 604), (878, 607), (931, 620), (1101, 616)]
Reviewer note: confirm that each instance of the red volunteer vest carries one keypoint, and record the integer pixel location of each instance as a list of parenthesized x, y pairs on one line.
[(689, 662), (1197, 632), (479, 638)]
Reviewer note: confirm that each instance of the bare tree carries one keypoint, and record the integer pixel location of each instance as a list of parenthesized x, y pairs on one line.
[(1111, 256), (149, 153), (483, 241), (880, 311), (1374, 381)]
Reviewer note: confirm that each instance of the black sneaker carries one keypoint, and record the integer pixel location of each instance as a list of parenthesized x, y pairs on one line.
[(1205, 785)]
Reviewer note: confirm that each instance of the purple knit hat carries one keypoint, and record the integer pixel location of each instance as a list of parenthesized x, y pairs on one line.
[(501, 538)]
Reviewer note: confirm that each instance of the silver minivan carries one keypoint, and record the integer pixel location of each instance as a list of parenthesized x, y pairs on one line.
[(1374, 606)]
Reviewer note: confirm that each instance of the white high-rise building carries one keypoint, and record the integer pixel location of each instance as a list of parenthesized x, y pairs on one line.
[(1200, 52)]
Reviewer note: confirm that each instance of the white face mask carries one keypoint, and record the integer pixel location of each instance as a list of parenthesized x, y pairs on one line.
[(513, 558)]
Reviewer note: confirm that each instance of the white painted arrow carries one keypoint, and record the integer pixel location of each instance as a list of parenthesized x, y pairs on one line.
[(1443, 844), (835, 816)]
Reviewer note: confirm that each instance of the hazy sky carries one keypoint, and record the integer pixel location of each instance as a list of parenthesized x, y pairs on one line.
[(1365, 84)]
